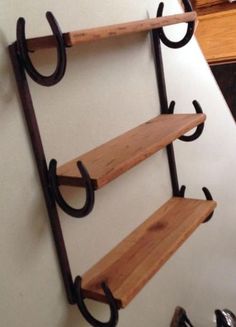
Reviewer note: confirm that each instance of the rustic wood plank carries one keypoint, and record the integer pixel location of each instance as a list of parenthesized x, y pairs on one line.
[(128, 28), (115, 157), (216, 35), (93, 34), (131, 264)]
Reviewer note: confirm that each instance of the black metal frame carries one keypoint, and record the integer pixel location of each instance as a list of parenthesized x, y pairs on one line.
[(49, 181), (48, 177), (158, 35)]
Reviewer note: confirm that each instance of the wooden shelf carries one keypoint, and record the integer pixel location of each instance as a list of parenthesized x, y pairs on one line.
[(93, 34), (115, 157), (131, 264)]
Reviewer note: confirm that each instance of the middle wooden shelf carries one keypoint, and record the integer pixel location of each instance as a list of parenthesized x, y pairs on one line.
[(115, 157)]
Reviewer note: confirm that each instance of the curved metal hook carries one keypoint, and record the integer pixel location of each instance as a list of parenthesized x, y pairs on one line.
[(225, 318), (59, 72), (182, 191), (220, 319), (171, 108), (88, 206), (189, 33), (199, 129), (207, 195), (87, 315), (210, 198)]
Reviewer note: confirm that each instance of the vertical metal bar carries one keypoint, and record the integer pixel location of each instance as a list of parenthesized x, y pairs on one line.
[(173, 169), (164, 107), (159, 66), (37, 146)]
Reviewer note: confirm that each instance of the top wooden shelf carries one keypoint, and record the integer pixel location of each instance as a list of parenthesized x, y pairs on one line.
[(115, 157), (93, 34)]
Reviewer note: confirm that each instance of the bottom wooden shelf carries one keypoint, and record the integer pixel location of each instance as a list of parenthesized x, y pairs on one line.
[(129, 266)]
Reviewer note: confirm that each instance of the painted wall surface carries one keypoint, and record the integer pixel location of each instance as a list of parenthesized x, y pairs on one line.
[(110, 87)]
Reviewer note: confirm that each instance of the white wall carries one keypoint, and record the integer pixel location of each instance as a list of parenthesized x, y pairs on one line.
[(110, 87)]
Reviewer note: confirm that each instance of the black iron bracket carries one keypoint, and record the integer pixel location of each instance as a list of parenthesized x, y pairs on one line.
[(199, 129), (87, 315), (207, 195), (189, 33), (59, 72), (158, 36), (22, 64), (54, 185)]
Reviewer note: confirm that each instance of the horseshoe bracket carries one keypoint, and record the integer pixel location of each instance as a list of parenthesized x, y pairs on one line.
[(54, 186), (189, 33), (199, 129), (23, 52), (114, 314), (207, 195)]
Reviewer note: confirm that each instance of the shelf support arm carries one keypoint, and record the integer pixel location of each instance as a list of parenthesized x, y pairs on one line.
[(199, 129), (89, 203), (112, 322), (22, 49), (189, 33), (207, 195)]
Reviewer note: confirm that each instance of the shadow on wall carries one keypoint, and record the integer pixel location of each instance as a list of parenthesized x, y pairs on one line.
[(75, 319), (7, 92)]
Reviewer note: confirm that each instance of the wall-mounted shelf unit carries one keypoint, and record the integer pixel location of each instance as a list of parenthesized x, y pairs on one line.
[(123, 272)]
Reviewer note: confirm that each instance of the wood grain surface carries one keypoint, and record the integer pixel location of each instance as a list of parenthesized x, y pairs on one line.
[(216, 35), (131, 264), (93, 34), (115, 157)]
